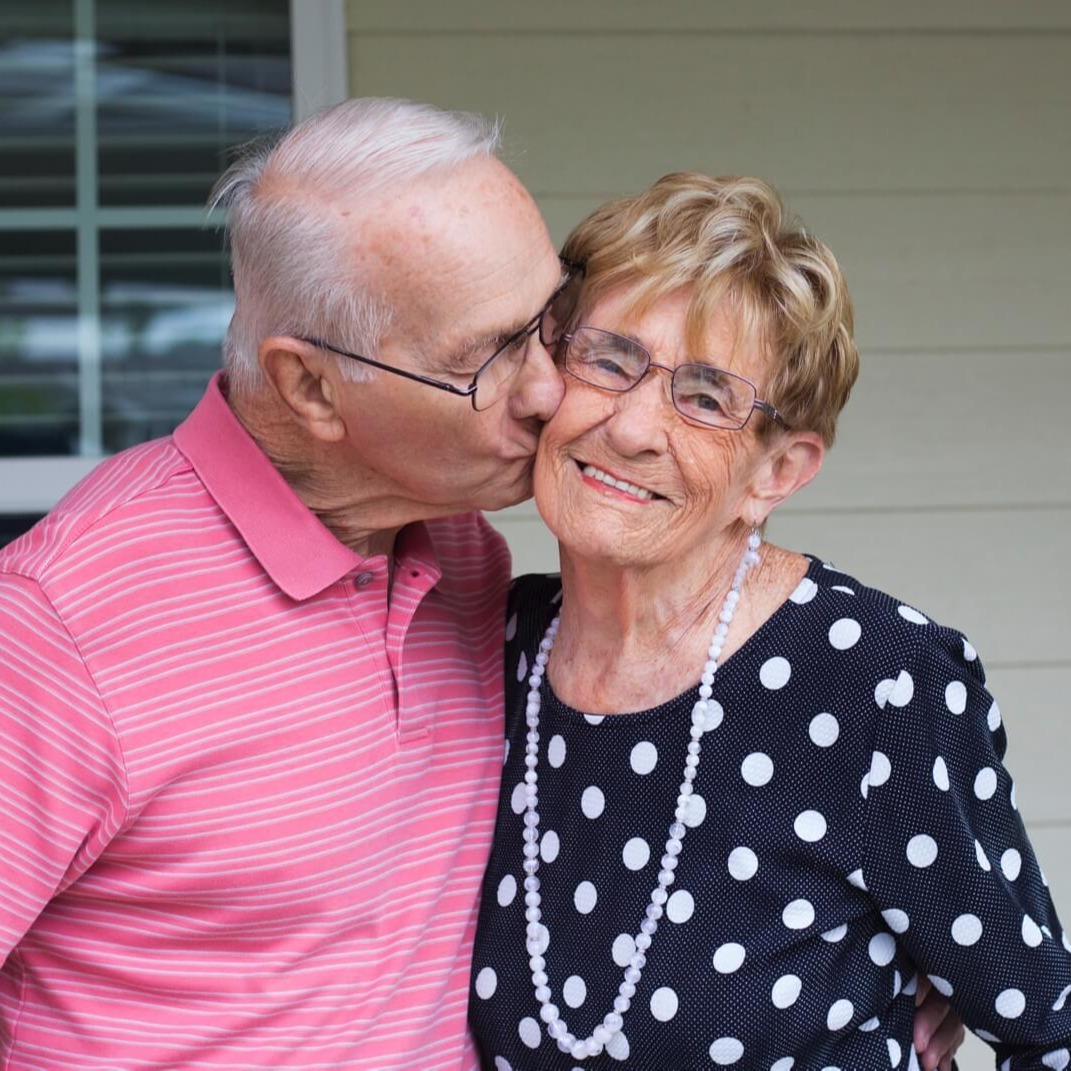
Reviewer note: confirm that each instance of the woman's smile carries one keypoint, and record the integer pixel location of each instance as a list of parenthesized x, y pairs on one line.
[(611, 483)]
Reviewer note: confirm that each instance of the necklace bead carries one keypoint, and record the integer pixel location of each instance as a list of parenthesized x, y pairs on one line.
[(613, 1021)]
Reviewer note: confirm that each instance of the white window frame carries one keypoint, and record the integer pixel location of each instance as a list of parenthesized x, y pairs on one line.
[(320, 76)]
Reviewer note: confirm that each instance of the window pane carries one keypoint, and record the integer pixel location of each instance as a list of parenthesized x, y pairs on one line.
[(37, 105), (38, 344), (165, 303), (179, 85)]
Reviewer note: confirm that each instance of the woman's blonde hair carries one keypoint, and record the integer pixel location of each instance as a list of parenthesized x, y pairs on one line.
[(731, 238)]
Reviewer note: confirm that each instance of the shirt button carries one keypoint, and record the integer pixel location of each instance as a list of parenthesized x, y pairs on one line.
[(365, 579)]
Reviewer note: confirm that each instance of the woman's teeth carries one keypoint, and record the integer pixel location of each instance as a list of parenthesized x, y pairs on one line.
[(621, 485)]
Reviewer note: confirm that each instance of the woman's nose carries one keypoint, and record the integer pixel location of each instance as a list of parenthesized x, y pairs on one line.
[(641, 418)]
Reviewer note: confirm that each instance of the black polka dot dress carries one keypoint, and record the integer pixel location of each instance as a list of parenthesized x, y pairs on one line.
[(851, 826)]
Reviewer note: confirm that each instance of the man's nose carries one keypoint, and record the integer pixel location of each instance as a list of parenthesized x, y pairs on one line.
[(539, 386)]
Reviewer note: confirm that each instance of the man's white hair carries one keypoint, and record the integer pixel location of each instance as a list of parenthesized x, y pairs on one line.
[(291, 259)]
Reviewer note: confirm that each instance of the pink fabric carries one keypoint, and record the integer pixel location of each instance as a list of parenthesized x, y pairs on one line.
[(245, 803)]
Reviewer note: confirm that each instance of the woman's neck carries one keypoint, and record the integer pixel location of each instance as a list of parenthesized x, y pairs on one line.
[(632, 638)]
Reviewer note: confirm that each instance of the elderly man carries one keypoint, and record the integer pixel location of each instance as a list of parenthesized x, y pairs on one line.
[(250, 688)]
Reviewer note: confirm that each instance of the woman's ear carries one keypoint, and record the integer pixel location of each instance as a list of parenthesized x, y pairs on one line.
[(297, 372), (791, 462)]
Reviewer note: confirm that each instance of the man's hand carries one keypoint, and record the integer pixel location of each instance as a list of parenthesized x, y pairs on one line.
[(938, 1029)]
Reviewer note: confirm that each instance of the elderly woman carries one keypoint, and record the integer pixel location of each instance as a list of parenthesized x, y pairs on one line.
[(748, 802)]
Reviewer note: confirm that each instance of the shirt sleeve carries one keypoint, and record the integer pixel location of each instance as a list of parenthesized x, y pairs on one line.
[(62, 788), (949, 863)]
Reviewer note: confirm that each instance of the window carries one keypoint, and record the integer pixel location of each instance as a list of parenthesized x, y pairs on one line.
[(116, 117)]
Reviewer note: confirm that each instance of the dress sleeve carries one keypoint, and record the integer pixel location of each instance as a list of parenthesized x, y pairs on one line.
[(948, 861), (62, 788)]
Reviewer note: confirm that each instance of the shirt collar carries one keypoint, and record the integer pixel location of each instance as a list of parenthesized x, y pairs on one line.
[(291, 543)]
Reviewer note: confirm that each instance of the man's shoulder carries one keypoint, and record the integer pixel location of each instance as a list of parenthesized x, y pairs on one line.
[(102, 509), (468, 538)]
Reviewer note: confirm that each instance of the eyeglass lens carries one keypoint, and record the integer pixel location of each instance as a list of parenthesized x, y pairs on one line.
[(701, 392), (498, 373)]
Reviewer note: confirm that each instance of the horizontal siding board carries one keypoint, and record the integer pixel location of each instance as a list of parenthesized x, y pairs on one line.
[(880, 112), (999, 576), (567, 16)]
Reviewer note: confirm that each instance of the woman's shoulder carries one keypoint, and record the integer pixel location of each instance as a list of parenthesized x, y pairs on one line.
[(852, 608)]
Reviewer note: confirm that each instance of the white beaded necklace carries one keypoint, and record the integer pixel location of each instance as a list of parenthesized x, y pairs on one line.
[(612, 1023)]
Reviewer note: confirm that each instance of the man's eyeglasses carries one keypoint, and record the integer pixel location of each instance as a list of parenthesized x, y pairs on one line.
[(701, 393), (493, 377)]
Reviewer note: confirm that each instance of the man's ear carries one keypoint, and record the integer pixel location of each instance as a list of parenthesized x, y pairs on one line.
[(298, 372), (792, 461)]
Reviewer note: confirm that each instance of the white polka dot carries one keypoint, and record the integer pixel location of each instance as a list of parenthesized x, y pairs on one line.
[(882, 948), (1010, 1003), (824, 730), (502, 1064), (585, 897), (864, 785), (806, 590), (897, 692), (695, 810), (1058, 1059), (574, 991), (810, 826), (664, 1004), (1061, 1000), (985, 784), (880, 769), (726, 1051), (840, 1014), (956, 697), (841, 588), (912, 985), (757, 769), (896, 984), (715, 715), (845, 633), (636, 853), (624, 948), (507, 890), (743, 863), (556, 750), (549, 846), (895, 1053), (786, 1063), (921, 850), (940, 774), (617, 1047), (836, 934), (679, 906), (1011, 797), (992, 719), (942, 985), (518, 799), (983, 859), (985, 1035), (967, 929), (594, 719), (522, 667), (896, 920), (529, 1031), (729, 957), (870, 1024), (1031, 932), (855, 878), (505, 752), (592, 801), (775, 673), (511, 627), (969, 653), (798, 915), (909, 613), (1011, 862), (486, 983), (644, 757), (786, 991)]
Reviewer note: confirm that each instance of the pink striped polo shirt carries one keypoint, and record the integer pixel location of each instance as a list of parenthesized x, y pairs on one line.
[(245, 801)]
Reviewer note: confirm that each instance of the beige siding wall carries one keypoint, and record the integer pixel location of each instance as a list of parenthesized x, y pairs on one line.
[(929, 143)]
